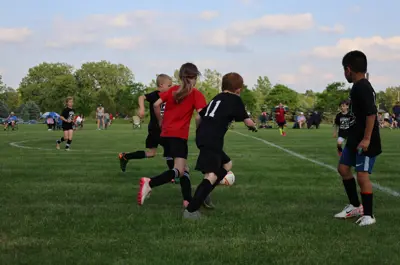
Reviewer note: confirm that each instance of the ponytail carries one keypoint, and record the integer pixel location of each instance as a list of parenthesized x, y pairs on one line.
[(184, 89)]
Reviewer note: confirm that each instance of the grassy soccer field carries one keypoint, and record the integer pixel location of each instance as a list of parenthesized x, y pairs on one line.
[(76, 207)]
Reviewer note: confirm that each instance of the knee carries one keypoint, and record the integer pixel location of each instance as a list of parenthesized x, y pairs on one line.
[(344, 171)]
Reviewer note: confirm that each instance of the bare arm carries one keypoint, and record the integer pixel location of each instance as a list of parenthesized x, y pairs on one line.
[(141, 105), (157, 110)]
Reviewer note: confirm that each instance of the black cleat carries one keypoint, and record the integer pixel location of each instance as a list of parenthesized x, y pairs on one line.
[(122, 161)]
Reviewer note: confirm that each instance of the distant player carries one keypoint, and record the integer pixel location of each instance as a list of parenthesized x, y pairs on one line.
[(363, 144), (342, 125), (164, 82), (180, 102), (67, 117), (212, 161), (280, 118)]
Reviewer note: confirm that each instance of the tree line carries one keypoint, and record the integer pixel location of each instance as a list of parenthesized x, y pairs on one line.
[(46, 86)]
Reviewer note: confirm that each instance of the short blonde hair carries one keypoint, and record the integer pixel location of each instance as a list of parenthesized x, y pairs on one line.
[(161, 78), (68, 99)]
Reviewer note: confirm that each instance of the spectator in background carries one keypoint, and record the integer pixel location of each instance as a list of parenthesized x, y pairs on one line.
[(386, 120), (396, 112), (100, 117), (394, 122), (314, 120), (301, 120), (106, 120), (10, 121), (111, 118), (380, 120)]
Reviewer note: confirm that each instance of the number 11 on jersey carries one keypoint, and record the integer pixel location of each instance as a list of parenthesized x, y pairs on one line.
[(212, 113)]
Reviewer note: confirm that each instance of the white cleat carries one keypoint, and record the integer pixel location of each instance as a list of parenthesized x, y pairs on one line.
[(144, 190), (350, 211), (366, 220)]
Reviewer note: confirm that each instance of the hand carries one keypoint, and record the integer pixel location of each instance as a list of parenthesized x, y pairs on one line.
[(141, 113), (363, 145)]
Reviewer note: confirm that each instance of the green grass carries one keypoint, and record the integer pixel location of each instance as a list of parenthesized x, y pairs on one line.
[(77, 208)]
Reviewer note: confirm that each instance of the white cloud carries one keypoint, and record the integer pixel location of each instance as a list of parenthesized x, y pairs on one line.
[(124, 43), (14, 35), (376, 48), (208, 15), (235, 33), (338, 29)]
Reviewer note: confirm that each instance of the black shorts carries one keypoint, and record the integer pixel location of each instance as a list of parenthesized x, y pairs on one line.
[(67, 126), (153, 140), (175, 147), (210, 160), (281, 124)]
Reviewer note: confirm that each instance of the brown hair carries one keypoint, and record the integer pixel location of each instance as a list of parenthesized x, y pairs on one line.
[(68, 99), (232, 82), (187, 73), (161, 78)]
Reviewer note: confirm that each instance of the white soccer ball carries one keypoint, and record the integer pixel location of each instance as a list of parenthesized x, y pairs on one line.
[(229, 179)]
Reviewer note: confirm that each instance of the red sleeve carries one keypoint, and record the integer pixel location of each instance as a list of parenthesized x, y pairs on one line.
[(167, 94), (199, 100)]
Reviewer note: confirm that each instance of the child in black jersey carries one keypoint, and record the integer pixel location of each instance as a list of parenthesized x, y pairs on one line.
[(342, 125), (164, 82), (215, 118), (67, 117)]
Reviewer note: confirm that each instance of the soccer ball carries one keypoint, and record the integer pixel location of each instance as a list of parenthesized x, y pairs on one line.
[(229, 179)]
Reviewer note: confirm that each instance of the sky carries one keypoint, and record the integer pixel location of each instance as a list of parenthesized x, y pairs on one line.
[(296, 43)]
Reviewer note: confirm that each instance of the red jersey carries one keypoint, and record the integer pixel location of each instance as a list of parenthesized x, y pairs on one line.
[(280, 114), (177, 116)]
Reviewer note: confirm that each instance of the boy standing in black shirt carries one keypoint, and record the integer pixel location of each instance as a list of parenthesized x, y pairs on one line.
[(164, 82), (342, 125), (363, 143), (214, 121), (67, 117)]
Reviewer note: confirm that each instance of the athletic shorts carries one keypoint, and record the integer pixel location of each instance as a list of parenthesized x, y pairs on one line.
[(174, 147), (67, 126), (281, 124), (211, 160), (100, 117), (153, 140), (361, 163)]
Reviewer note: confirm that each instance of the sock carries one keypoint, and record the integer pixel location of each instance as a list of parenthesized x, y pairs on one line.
[(367, 199), (165, 177), (186, 187), (68, 144), (339, 148), (61, 140), (135, 155), (280, 130), (351, 191), (170, 163), (200, 195)]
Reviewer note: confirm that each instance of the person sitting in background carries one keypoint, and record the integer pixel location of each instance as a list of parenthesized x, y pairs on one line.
[(314, 120), (263, 120), (50, 123), (10, 121), (380, 120), (386, 120), (393, 122), (301, 120), (396, 112)]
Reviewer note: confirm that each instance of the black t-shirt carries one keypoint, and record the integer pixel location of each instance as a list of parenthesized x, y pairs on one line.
[(343, 122), (216, 117), (362, 97), (68, 114), (152, 97)]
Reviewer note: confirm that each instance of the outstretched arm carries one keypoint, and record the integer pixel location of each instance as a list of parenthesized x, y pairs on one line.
[(141, 106)]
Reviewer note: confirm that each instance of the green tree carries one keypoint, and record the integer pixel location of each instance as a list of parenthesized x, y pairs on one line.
[(211, 85), (329, 99), (261, 89), (249, 99), (48, 84), (4, 111), (30, 111), (127, 99), (282, 94)]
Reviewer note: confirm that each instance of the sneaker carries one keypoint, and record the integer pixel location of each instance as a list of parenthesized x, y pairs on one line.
[(283, 134), (208, 204), (122, 161), (68, 149), (366, 220), (191, 216), (57, 146), (350, 211), (144, 190)]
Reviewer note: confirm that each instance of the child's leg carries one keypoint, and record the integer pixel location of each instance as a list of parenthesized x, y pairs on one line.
[(69, 141), (62, 139)]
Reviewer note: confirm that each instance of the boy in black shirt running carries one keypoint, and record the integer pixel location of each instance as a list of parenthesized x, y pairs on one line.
[(363, 144), (342, 125), (67, 117), (214, 121), (164, 82)]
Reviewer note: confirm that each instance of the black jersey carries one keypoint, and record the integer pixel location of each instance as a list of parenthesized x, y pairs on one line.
[(152, 97), (68, 114), (343, 122), (362, 104), (216, 117)]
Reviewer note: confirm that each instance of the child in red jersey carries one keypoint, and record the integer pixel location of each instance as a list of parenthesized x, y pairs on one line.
[(280, 118), (180, 102)]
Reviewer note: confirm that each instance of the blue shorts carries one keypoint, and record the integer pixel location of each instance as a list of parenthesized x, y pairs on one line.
[(361, 163)]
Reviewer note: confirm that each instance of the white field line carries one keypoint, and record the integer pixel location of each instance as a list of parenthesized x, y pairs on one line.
[(375, 185)]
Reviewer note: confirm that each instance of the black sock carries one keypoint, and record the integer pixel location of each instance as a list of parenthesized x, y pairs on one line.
[(339, 148), (186, 187), (135, 155), (367, 199), (170, 163), (165, 177), (200, 195), (351, 191), (68, 144), (61, 140)]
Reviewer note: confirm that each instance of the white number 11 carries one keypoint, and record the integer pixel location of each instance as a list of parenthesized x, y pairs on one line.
[(212, 114)]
